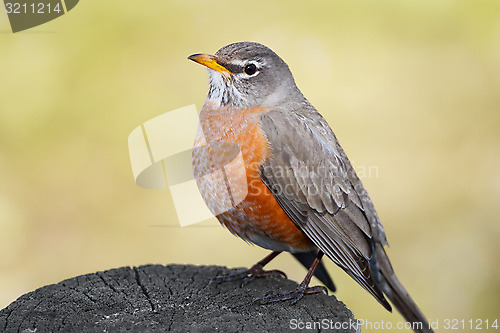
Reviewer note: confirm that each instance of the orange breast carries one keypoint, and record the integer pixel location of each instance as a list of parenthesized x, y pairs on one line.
[(258, 218)]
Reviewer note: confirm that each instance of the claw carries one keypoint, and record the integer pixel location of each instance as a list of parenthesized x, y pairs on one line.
[(231, 277), (261, 273), (248, 275), (294, 296)]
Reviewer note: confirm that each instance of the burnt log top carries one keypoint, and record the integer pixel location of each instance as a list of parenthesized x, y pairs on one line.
[(175, 298)]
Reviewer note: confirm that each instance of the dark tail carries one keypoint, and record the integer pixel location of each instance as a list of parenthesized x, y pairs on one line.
[(397, 294), (306, 259)]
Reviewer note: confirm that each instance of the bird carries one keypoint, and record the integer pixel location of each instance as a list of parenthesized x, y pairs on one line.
[(304, 196)]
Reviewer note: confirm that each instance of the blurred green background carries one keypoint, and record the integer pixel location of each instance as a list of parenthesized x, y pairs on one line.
[(411, 88)]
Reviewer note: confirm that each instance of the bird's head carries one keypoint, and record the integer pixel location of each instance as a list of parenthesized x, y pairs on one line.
[(247, 75)]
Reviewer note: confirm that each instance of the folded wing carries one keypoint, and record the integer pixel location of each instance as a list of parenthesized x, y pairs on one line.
[(315, 184)]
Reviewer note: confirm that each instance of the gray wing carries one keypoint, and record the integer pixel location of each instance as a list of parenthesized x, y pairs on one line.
[(315, 184)]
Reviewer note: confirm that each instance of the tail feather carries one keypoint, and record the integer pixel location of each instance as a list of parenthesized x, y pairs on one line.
[(397, 294), (306, 259)]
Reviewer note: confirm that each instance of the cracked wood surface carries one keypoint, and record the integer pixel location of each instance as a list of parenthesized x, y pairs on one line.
[(175, 298)]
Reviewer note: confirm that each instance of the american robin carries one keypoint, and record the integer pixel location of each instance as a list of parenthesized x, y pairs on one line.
[(304, 196)]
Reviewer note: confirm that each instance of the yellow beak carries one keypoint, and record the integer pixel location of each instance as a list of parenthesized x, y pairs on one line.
[(210, 61)]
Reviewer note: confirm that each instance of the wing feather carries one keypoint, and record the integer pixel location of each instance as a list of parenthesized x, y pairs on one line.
[(315, 184)]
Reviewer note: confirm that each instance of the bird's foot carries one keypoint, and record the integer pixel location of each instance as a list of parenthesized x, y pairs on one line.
[(294, 296), (249, 275)]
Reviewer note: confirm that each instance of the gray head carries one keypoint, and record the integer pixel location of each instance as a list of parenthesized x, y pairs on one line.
[(248, 74)]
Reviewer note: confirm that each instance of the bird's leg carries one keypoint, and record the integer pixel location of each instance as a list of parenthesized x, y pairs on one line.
[(302, 288), (254, 272)]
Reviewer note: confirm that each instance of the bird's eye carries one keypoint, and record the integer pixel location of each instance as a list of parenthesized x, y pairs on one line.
[(250, 69)]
